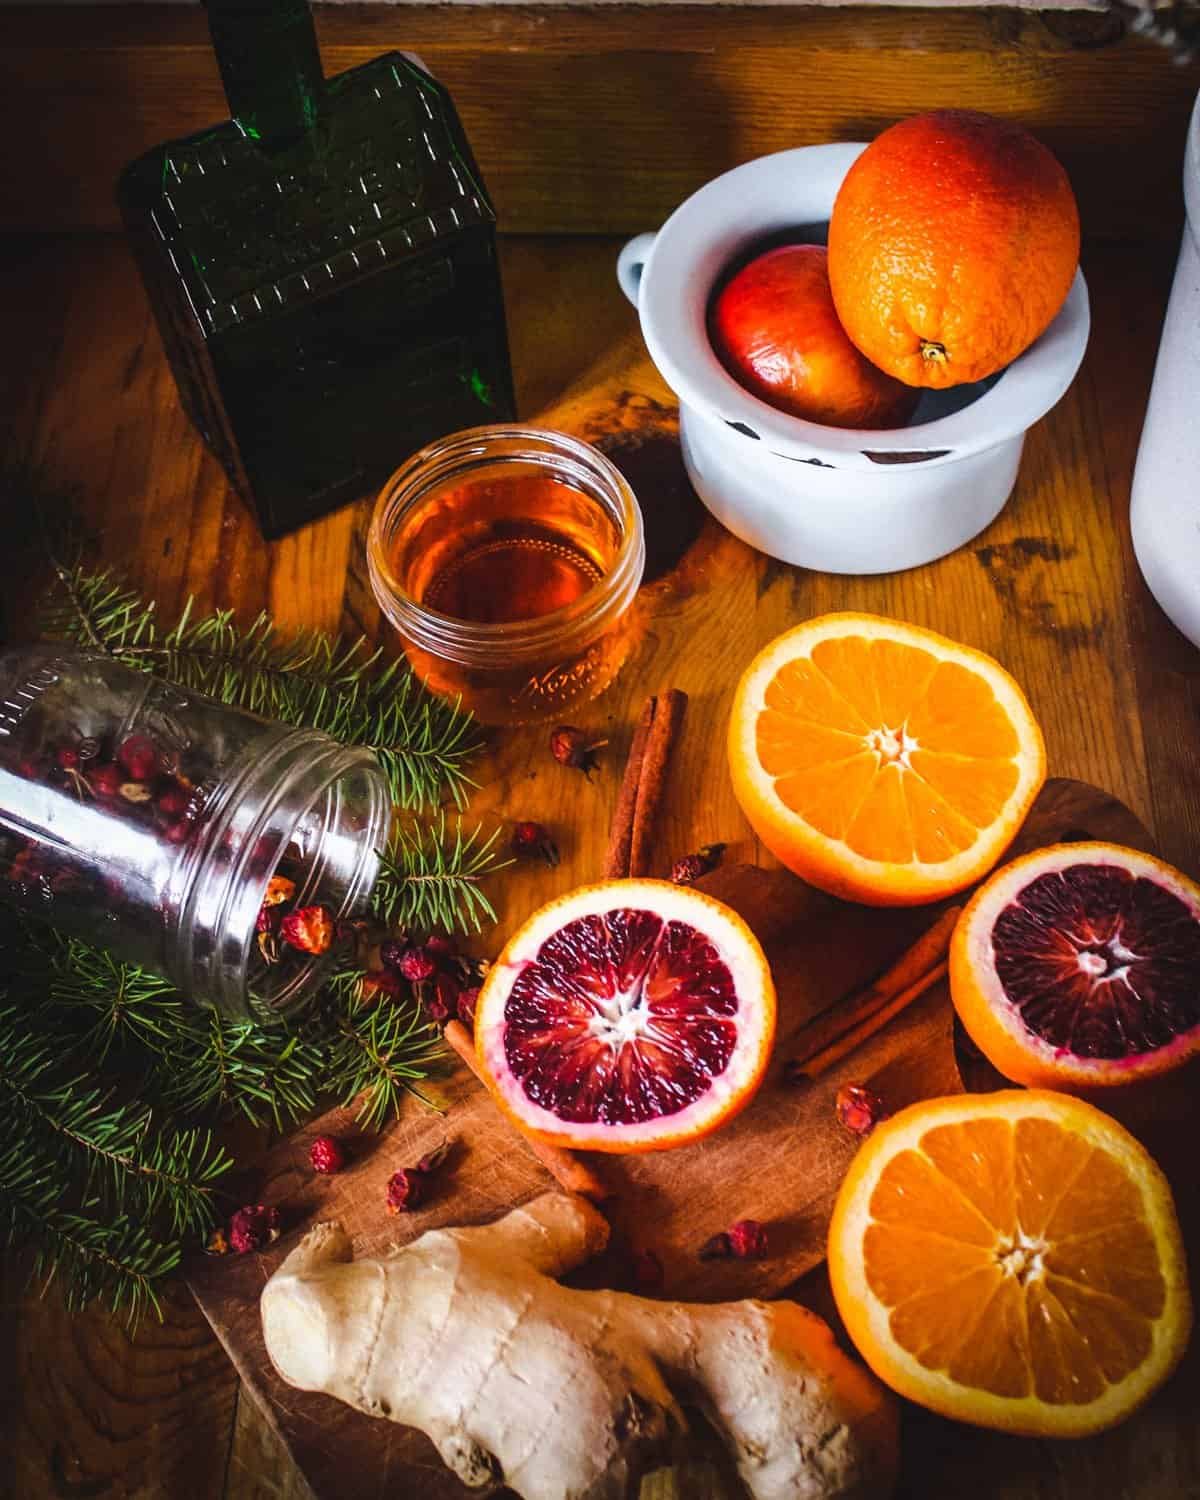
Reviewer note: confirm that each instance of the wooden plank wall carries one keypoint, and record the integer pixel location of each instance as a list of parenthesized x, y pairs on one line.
[(600, 120)]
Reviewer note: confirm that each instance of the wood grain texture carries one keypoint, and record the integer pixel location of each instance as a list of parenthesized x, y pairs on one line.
[(1051, 588), (602, 120)]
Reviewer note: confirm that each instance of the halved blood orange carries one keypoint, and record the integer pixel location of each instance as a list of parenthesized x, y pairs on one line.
[(1012, 1260), (1078, 967), (882, 762), (631, 1015)]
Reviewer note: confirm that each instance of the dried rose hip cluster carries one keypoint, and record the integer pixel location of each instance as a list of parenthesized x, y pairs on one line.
[(281, 925), (133, 778), (445, 982)]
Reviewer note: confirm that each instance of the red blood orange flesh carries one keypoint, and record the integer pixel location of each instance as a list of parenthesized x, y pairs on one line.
[(632, 1015), (1078, 967)]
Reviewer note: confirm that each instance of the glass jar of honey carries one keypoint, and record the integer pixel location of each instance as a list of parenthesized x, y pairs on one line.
[(508, 559)]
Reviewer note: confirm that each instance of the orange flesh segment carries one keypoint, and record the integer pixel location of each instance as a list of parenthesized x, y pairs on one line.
[(812, 737), (1016, 1259)]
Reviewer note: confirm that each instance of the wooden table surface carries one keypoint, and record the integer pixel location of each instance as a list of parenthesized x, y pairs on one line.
[(1051, 588)]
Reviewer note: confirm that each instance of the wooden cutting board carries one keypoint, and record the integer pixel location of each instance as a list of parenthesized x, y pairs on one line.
[(779, 1161)]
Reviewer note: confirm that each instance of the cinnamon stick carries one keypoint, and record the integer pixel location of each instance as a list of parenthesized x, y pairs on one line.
[(849, 1013), (564, 1166), (620, 840), (664, 731), (821, 1062)]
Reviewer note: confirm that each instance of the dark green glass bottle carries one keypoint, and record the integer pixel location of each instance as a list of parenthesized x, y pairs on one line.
[(322, 267)]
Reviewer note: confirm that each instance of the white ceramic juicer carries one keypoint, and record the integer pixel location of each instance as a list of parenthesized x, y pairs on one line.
[(1165, 509)]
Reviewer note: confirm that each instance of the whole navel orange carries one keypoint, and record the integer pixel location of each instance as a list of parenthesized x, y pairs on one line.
[(953, 244), (776, 330)]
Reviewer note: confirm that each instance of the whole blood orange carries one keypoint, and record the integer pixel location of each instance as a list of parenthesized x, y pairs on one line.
[(1078, 967), (953, 244), (882, 762), (1012, 1260), (631, 1015), (776, 331)]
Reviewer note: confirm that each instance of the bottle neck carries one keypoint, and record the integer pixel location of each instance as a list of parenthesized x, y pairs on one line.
[(270, 66)]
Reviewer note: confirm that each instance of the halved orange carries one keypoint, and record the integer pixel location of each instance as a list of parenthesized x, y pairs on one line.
[(882, 762), (1012, 1260), (629, 1015)]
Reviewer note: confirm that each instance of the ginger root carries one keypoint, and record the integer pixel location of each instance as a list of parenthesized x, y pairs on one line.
[(564, 1394)]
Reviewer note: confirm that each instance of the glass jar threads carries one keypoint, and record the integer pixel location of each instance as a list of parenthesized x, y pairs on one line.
[(508, 559), (150, 820)]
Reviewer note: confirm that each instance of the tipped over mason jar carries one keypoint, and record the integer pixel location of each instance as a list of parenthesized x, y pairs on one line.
[(182, 835)]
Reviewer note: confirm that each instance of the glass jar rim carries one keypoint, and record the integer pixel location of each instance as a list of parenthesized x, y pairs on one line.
[(451, 457)]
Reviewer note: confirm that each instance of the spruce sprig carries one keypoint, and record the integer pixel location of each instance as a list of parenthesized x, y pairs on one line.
[(111, 1148), (429, 879), (377, 1053), (118, 1259), (346, 688)]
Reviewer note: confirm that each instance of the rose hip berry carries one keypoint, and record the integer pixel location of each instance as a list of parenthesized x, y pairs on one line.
[(745, 1240), (443, 1002), (326, 1155), (748, 1239), (690, 868), (392, 952), (279, 890), (416, 965), (467, 1001), (409, 1187), (571, 747), (530, 840), (254, 1228), (378, 984), (139, 756), (105, 780), (439, 949), (858, 1108), (406, 1190), (172, 802), (309, 928)]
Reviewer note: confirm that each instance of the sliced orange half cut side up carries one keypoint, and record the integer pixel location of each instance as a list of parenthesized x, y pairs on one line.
[(882, 762), (1012, 1260)]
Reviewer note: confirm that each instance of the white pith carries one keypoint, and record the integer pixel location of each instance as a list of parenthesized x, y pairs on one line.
[(1020, 1256), (892, 744), (892, 747), (622, 1019), (1093, 959)]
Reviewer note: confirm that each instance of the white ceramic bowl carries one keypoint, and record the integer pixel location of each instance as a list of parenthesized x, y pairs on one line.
[(841, 500)]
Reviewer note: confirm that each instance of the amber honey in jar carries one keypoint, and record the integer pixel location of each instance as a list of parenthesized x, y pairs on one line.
[(508, 559)]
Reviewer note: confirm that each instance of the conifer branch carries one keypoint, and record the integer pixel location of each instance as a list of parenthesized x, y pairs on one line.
[(111, 1148), (378, 1052), (97, 1256), (348, 689), (431, 879)]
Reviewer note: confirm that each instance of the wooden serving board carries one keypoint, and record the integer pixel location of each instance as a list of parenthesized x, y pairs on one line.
[(780, 1161)]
